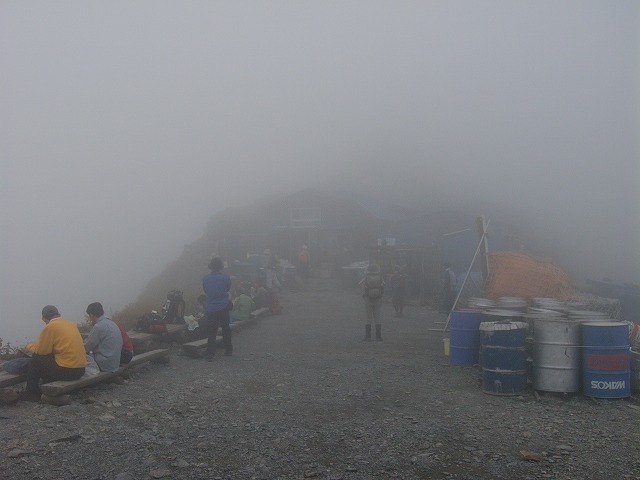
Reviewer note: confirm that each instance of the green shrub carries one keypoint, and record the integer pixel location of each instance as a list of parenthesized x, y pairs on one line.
[(7, 351)]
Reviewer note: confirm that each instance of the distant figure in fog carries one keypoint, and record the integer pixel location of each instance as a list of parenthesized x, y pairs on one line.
[(216, 285), (270, 263), (448, 287), (398, 285), (304, 262), (373, 289), (259, 295)]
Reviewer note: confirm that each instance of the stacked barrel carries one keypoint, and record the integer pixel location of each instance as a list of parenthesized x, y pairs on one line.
[(556, 347)]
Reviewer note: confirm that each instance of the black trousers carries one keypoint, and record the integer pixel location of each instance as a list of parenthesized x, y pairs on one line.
[(125, 356), (45, 367), (397, 299), (215, 320)]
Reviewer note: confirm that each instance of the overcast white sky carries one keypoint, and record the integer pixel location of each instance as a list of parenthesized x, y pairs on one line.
[(126, 124)]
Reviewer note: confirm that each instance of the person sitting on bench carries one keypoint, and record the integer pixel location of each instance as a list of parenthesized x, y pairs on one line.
[(58, 354), (104, 340), (126, 354), (243, 305)]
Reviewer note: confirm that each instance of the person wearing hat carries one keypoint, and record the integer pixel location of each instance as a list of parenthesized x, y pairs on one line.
[(372, 294), (57, 354), (216, 285), (104, 340)]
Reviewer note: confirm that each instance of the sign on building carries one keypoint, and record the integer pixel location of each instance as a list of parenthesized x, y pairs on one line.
[(308, 217)]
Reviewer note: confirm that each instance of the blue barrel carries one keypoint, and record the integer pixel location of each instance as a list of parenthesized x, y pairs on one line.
[(605, 360), (504, 357), (464, 340), (634, 360)]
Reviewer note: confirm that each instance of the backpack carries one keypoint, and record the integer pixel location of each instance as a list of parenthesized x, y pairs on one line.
[(173, 309), (373, 285), (151, 323)]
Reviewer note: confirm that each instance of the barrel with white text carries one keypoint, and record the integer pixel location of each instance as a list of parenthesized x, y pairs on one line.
[(605, 360)]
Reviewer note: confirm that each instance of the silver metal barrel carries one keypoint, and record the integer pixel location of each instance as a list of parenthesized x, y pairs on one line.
[(556, 355)]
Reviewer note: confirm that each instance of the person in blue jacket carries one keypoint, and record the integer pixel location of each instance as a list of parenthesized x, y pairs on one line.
[(216, 285)]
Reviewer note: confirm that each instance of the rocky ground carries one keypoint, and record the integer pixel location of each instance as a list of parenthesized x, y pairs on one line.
[(304, 397)]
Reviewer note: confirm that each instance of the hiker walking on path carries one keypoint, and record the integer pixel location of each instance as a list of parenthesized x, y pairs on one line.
[(372, 293), (216, 285)]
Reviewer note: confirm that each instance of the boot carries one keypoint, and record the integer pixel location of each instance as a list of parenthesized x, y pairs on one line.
[(379, 333), (367, 335)]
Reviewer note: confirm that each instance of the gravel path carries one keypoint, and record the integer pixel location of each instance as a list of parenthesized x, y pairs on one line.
[(304, 397)]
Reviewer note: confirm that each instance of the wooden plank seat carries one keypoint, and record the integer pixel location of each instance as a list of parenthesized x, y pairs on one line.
[(139, 337), (61, 387), (142, 341), (260, 312), (7, 379), (173, 328), (142, 337), (192, 349)]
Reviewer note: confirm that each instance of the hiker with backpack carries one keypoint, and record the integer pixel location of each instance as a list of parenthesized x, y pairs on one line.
[(373, 289)]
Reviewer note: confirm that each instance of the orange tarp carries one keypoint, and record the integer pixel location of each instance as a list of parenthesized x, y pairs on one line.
[(516, 274)]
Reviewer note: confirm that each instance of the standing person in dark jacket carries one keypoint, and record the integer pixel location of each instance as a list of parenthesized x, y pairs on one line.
[(398, 283), (216, 285)]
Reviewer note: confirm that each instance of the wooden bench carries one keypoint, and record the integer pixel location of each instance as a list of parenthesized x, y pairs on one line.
[(61, 387), (138, 338), (141, 337), (173, 328), (142, 340), (7, 379), (192, 349), (260, 312)]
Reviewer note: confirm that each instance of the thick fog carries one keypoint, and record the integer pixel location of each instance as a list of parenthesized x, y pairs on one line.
[(126, 125)]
